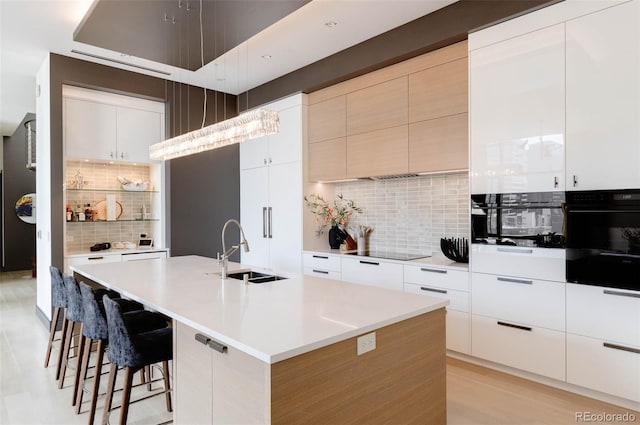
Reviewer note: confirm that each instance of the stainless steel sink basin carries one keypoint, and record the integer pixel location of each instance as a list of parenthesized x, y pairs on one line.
[(255, 277)]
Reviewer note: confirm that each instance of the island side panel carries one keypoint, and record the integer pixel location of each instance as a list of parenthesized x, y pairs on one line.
[(402, 381)]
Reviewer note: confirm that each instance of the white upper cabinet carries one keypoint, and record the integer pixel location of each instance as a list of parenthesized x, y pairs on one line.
[(603, 99), (110, 127), (517, 111)]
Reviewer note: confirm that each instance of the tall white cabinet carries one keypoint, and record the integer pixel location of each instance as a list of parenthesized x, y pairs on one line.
[(271, 190), (603, 99)]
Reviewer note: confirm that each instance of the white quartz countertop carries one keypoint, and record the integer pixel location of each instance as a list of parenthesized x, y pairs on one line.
[(438, 260), (271, 321), (113, 251)]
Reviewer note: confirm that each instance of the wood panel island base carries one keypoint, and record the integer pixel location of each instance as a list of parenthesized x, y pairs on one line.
[(287, 352)]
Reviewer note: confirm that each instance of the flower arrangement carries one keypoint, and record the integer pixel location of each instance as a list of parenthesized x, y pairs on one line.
[(338, 215)]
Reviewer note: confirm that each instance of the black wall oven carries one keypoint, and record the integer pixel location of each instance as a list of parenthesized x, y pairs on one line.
[(603, 238)]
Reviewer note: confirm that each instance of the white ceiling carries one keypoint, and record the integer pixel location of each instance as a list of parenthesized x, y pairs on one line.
[(31, 28)]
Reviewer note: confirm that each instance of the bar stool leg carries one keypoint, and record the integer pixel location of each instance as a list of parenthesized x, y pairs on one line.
[(65, 356), (96, 380), (63, 338), (113, 371), (167, 385), (52, 334), (126, 394), (79, 357), (84, 366)]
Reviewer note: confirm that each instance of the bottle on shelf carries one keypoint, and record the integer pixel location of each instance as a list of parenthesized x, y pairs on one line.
[(80, 213), (88, 213), (69, 213)]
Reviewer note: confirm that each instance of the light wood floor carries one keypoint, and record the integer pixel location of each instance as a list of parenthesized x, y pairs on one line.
[(29, 394)]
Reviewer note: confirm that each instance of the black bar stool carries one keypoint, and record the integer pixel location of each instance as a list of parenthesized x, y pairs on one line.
[(59, 302), (133, 351)]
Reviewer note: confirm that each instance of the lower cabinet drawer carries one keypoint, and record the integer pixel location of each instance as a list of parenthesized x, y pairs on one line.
[(459, 300), (438, 277), (319, 272), (321, 261), (533, 349), (373, 272), (458, 328), (91, 259), (607, 367), (138, 256)]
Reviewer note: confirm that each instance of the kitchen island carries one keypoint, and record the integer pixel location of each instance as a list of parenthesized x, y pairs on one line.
[(287, 351)]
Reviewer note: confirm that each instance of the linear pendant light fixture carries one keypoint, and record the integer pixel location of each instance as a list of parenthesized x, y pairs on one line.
[(249, 125)]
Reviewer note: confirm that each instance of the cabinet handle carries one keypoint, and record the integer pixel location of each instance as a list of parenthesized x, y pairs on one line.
[(96, 258), (219, 347), (203, 339), (264, 161), (511, 280), (320, 271), (555, 181), (511, 325), (440, 291), (270, 213), (575, 180), (264, 222), (372, 263), (620, 294), (321, 256), (424, 269), (621, 347), (516, 250), (122, 155), (270, 161), (111, 154)]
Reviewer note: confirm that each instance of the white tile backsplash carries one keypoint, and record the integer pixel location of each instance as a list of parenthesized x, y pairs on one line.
[(411, 214)]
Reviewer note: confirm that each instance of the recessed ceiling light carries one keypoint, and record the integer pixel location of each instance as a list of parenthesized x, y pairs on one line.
[(330, 24), (267, 57)]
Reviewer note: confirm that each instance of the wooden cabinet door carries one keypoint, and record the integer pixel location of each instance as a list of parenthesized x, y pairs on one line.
[(378, 153), (328, 119), (440, 144), (89, 130), (439, 91), (381, 106), (137, 129), (603, 99), (328, 160), (517, 108)]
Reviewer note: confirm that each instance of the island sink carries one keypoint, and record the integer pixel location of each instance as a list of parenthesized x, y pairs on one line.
[(255, 277)]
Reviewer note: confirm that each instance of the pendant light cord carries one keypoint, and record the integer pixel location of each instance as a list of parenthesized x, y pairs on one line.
[(204, 108)]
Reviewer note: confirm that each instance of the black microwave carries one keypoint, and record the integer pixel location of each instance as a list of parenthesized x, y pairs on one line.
[(603, 238), (533, 219)]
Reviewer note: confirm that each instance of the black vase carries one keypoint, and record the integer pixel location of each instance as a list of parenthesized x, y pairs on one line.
[(336, 237)]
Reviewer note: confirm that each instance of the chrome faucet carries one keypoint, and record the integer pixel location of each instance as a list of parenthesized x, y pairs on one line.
[(222, 260)]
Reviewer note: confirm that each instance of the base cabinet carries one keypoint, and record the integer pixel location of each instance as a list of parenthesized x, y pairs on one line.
[(372, 272)]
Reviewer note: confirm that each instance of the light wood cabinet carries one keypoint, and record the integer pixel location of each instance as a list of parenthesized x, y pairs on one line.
[(439, 91), (328, 119), (328, 160), (378, 153), (380, 106), (440, 144)]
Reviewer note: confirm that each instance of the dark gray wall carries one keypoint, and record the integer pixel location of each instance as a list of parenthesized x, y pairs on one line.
[(19, 237)]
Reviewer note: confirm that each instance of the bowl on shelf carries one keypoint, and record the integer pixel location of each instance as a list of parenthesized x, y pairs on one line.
[(133, 186), (455, 249)]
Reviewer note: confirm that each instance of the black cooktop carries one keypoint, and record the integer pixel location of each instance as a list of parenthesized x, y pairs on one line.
[(390, 255)]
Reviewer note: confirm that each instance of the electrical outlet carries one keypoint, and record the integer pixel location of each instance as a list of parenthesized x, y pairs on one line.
[(366, 343)]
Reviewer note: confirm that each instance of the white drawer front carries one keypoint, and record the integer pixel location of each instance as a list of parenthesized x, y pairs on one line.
[(434, 276), (605, 313), (533, 349), (459, 299), (530, 301), (609, 369), (534, 263), (321, 261), (322, 273), (92, 259), (372, 272), (458, 328), (144, 256)]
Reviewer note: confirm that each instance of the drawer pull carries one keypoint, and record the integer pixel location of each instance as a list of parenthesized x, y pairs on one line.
[(424, 269), (620, 294), (95, 258), (203, 339), (516, 250), (320, 271), (440, 291), (371, 263), (219, 347), (511, 280), (321, 256), (621, 347), (511, 325)]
